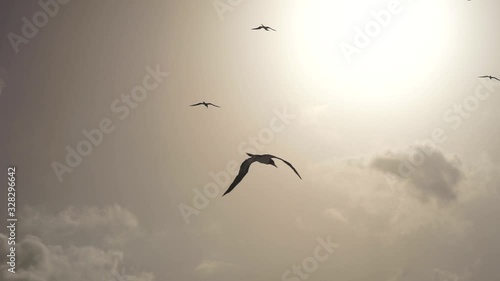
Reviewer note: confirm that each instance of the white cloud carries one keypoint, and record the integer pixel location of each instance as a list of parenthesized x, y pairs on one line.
[(113, 224), (48, 258), (38, 261)]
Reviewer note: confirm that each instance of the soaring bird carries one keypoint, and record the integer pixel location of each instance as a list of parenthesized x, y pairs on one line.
[(489, 76), (267, 28), (205, 104), (245, 166)]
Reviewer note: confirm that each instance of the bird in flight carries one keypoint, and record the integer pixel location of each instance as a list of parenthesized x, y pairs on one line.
[(205, 104), (489, 76), (267, 28), (245, 166)]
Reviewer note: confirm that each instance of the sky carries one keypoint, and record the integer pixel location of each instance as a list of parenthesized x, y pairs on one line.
[(377, 104)]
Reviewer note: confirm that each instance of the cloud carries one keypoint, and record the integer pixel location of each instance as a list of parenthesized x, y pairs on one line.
[(37, 261), (211, 267), (398, 276), (46, 257), (427, 169), (443, 275), (113, 224)]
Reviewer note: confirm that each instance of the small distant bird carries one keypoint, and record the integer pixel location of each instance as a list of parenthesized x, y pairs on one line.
[(245, 166), (206, 104), (489, 76), (267, 28)]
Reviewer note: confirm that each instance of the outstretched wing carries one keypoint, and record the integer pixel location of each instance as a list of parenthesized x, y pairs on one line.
[(290, 165), (196, 104), (245, 166), (272, 29), (257, 28), (496, 78), (484, 76), (213, 104)]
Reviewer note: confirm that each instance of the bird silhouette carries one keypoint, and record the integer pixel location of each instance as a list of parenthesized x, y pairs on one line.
[(245, 166), (206, 104), (489, 76), (267, 28)]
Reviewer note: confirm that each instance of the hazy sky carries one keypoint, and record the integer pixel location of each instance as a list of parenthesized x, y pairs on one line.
[(353, 93)]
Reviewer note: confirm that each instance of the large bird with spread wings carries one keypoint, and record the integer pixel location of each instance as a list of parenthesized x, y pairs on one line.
[(245, 166)]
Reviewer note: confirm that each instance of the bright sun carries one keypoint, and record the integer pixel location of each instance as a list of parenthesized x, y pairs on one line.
[(345, 47)]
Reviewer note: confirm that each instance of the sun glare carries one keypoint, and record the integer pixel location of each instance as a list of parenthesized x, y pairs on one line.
[(371, 52)]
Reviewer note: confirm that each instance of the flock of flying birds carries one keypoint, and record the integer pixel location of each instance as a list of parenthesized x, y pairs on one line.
[(268, 158), (264, 158)]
